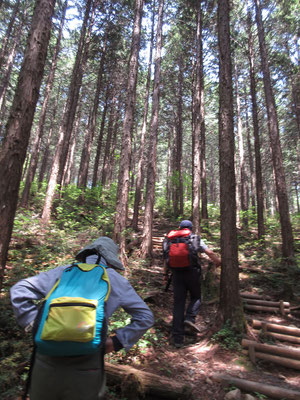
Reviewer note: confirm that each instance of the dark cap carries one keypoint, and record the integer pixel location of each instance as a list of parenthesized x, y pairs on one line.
[(186, 224)]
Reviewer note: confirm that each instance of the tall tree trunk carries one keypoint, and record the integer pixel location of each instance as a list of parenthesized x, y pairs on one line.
[(19, 124), (108, 141), (112, 159), (146, 247), (197, 121), (75, 90), (178, 129), (230, 303), (46, 152), (123, 181), (177, 170), (242, 167), (141, 163), (258, 168), (61, 152), (169, 169), (250, 155), (174, 177), (40, 128), (5, 40), (204, 211), (70, 174), (8, 67), (286, 227), (99, 141), (89, 135)]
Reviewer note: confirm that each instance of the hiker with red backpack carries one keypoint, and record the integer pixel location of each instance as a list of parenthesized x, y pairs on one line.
[(180, 252)]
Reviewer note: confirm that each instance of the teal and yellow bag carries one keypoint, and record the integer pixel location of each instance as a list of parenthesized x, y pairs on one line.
[(72, 320)]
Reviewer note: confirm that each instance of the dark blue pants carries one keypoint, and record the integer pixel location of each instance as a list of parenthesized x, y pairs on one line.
[(184, 282)]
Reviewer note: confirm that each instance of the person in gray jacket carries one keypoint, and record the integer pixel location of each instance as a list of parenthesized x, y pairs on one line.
[(80, 377)]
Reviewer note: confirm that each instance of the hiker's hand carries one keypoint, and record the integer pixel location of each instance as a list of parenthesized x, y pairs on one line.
[(29, 327), (109, 345), (165, 278)]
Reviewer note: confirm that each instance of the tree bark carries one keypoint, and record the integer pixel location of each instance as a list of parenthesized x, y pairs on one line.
[(146, 247), (108, 141), (230, 303), (90, 132), (46, 152), (99, 141), (19, 124), (258, 168), (8, 67), (5, 41), (70, 173), (280, 183), (141, 163), (196, 132), (112, 160), (242, 167), (169, 170), (250, 155), (177, 171), (60, 157), (123, 181), (204, 211), (40, 128)]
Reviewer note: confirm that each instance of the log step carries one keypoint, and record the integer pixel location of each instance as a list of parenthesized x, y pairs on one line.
[(272, 391), (266, 303), (254, 296), (267, 348), (253, 307), (285, 356), (287, 330)]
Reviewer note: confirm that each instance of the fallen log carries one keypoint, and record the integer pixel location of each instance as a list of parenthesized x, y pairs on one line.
[(254, 296), (275, 392), (280, 336), (262, 308), (267, 348), (289, 330), (136, 384), (266, 303)]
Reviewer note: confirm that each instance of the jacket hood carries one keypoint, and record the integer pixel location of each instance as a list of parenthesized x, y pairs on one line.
[(105, 247)]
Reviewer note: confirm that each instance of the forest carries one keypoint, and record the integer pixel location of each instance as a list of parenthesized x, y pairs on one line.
[(120, 118)]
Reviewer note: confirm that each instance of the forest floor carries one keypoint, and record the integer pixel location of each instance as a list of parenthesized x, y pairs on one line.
[(205, 354), (209, 352)]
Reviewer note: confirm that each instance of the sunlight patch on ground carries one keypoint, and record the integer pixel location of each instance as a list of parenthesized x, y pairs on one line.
[(203, 348)]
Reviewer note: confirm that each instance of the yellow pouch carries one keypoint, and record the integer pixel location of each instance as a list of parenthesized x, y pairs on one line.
[(71, 319)]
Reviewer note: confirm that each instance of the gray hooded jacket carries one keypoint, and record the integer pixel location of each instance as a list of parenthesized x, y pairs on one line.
[(26, 292)]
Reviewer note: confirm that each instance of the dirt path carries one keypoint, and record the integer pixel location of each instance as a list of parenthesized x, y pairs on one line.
[(201, 358)]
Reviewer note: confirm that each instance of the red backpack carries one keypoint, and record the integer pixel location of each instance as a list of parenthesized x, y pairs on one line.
[(180, 248)]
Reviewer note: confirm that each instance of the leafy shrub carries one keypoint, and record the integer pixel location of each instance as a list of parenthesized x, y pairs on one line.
[(227, 338)]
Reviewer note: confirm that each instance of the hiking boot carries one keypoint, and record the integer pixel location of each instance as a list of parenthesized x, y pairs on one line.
[(178, 345), (191, 325)]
